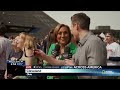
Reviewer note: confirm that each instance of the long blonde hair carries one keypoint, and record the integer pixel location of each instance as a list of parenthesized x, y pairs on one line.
[(30, 42), (23, 35)]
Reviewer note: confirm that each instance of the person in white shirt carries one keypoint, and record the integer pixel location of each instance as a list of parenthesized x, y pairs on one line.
[(113, 48)]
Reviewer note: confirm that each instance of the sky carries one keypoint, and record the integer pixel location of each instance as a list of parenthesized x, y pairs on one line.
[(98, 18)]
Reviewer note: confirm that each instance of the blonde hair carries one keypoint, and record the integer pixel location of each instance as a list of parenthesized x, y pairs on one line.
[(30, 42), (23, 35)]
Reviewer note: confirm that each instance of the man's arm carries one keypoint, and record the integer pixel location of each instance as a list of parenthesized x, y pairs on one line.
[(1, 47), (97, 53)]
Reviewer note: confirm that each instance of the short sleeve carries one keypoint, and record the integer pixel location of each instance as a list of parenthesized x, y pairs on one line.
[(50, 49)]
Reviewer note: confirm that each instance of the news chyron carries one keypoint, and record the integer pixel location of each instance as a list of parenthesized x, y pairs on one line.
[(16, 68)]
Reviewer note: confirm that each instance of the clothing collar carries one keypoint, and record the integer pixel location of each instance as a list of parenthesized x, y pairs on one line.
[(85, 38)]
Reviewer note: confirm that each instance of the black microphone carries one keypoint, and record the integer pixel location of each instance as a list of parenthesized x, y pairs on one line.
[(116, 59), (55, 52), (67, 54)]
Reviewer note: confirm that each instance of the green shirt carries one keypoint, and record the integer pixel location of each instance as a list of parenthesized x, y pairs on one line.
[(73, 49), (72, 46)]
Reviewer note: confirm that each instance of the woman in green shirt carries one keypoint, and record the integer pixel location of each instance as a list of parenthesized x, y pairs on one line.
[(62, 37)]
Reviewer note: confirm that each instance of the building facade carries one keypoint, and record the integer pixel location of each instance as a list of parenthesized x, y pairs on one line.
[(103, 29)]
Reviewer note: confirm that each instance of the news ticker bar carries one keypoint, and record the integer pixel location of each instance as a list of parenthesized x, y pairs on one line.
[(93, 72), (73, 67), (22, 63)]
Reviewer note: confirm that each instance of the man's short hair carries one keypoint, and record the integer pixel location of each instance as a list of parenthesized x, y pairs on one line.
[(3, 30), (82, 19), (111, 33)]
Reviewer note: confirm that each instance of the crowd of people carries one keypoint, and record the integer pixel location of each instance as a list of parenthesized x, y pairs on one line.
[(84, 47)]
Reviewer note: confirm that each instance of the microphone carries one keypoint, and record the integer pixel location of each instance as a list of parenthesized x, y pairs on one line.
[(116, 59), (67, 54), (55, 52)]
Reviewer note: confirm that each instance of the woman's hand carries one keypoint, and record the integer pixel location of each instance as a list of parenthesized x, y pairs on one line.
[(5, 75), (40, 54), (13, 58), (69, 62)]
